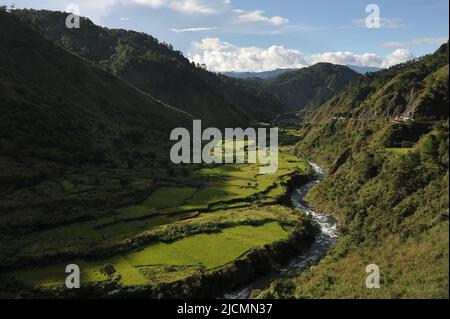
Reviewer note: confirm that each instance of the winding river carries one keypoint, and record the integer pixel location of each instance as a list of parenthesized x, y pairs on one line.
[(324, 241)]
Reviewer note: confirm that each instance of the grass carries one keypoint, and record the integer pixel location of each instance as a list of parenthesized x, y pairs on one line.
[(402, 151), (163, 197), (129, 275), (209, 250), (415, 268), (168, 274), (161, 254), (55, 275), (170, 206)]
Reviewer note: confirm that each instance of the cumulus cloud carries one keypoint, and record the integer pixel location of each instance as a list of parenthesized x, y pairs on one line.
[(415, 42), (348, 58), (257, 16), (396, 57), (223, 56)]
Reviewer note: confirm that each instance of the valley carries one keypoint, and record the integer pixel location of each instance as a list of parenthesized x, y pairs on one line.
[(88, 176)]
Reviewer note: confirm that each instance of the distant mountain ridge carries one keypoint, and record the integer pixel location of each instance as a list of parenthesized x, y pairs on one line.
[(364, 69), (277, 72), (261, 75)]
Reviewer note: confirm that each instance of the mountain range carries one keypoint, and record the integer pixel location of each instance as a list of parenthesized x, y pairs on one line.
[(85, 121), (308, 87), (157, 69), (274, 73)]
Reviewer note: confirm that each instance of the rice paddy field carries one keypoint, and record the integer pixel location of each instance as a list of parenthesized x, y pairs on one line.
[(174, 233), (207, 251)]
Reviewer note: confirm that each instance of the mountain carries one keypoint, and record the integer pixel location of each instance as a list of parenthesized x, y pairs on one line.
[(61, 114), (257, 75), (312, 86), (363, 69), (58, 107), (157, 69), (385, 143), (415, 89), (274, 73), (393, 106)]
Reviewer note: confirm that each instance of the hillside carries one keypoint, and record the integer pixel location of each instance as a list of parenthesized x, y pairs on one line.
[(60, 114), (85, 179), (157, 69), (387, 184), (415, 89), (310, 87)]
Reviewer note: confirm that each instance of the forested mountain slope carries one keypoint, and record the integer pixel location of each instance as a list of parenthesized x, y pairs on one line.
[(158, 69), (312, 86), (58, 107), (391, 108), (387, 185), (60, 114), (415, 89)]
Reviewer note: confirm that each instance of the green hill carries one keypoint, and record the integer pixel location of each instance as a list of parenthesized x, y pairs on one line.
[(387, 184), (310, 87), (416, 89), (157, 69), (60, 114)]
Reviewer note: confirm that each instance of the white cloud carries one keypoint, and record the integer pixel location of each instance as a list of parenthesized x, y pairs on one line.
[(192, 6), (199, 29), (363, 60), (258, 17), (396, 57), (91, 9), (415, 42), (185, 6), (385, 23), (222, 56), (347, 58), (202, 7)]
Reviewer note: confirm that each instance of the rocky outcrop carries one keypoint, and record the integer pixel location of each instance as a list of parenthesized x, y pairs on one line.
[(340, 161)]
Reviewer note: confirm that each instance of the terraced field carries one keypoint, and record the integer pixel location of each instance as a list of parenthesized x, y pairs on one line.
[(176, 232), (207, 251)]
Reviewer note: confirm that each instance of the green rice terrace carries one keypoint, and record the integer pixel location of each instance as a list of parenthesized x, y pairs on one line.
[(176, 233)]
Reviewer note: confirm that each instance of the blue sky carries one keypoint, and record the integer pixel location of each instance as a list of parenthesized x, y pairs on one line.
[(259, 35)]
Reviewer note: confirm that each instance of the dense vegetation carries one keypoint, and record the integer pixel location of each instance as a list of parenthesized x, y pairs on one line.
[(387, 185), (157, 69), (309, 87), (62, 116), (415, 89), (84, 173)]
